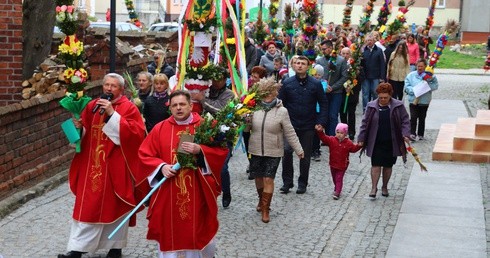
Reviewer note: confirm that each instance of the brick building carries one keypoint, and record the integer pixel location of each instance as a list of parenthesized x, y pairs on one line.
[(10, 51)]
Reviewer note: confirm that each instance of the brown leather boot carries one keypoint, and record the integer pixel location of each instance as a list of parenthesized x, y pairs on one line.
[(266, 202), (259, 206)]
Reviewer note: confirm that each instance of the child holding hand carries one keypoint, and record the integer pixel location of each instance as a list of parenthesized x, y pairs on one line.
[(340, 147)]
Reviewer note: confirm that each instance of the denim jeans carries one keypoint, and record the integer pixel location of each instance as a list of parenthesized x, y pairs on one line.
[(305, 139), (369, 91), (334, 102)]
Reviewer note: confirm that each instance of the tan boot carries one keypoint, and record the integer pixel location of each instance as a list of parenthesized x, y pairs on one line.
[(266, 202), (259, 192)]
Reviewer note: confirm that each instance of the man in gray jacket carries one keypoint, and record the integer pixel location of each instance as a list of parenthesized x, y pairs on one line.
[(336, 75), (219, 97)]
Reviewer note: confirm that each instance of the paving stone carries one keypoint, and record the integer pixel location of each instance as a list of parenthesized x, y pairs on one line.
[(309, 225)]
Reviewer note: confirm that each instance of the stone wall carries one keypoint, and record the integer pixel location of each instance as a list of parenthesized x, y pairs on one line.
[(32, 145)]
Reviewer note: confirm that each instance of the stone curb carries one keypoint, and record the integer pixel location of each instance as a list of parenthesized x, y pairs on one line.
[(18, 199), (480, 72)]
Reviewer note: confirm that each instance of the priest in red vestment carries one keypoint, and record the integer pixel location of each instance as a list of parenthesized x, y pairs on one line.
[(102, 176), (183, 213)]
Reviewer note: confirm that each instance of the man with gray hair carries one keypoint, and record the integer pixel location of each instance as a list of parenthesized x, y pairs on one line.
[(348, 113), (374, 67), (102, 175)]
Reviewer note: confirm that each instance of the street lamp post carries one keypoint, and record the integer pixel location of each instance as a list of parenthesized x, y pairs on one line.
[(112, 50)]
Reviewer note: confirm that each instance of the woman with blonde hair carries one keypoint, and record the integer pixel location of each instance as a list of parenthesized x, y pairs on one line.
[(155, 108), (269, 127), (397, 69)]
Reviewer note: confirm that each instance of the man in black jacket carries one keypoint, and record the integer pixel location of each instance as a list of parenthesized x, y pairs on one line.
[(392, 46), (374, 67), (300, 94)]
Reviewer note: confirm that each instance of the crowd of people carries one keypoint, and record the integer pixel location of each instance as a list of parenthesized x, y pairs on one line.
[(125, 152)]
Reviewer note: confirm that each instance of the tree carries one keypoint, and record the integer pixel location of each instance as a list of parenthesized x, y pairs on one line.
[(38, 21)]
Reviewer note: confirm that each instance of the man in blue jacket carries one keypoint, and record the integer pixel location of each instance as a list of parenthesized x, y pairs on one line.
[(300, 94), (374, 67)]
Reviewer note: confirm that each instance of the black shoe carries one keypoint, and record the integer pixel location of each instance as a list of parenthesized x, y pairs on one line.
[(384, 193), (114, 253), (226, 200), (317, 157), (250, 177), (301, 190), (373, 196), (71, 254), (285, 189)]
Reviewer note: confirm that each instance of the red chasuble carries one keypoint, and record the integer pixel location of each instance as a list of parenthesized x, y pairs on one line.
[(102, 174), (183, 213)]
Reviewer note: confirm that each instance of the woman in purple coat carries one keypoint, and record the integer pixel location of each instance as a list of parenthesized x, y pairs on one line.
[(384, 130)]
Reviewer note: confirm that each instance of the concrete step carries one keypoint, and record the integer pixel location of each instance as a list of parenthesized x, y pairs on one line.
[(443, 148), (482, 125), (465, 138), (464, 134)]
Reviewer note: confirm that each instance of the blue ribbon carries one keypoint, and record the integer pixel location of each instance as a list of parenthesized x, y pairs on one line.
[(176, 166)]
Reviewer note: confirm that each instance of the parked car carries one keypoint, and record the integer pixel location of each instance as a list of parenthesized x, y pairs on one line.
[(120, 26), (165, 26)]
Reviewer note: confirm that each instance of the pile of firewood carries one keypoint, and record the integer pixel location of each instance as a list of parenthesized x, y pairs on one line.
[(48, 78)]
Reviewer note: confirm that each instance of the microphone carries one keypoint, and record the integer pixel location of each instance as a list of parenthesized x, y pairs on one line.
[(107, 96)]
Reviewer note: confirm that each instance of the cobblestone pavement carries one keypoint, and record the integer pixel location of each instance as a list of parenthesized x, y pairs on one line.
[(308, 225)]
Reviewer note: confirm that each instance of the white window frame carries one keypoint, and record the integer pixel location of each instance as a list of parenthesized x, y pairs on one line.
[(441, 4)]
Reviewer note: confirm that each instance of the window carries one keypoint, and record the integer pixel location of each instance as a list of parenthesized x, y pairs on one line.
[(441, 4)]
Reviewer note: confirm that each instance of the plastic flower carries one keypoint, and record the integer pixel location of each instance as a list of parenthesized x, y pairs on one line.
[(415, 155), (224, 128), (76, 79), (60, 17), (69, 73), (84, 72), (71, 45), (248, 98)]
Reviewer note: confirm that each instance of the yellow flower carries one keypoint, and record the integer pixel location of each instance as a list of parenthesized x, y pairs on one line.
[(230, 41), (429, 69), (74, 48), (248, 98), (84, 72), (69, 73), (64, 48), (242, 111)]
